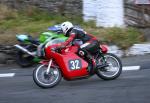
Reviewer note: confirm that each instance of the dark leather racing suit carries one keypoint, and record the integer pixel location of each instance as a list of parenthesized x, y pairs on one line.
[(90, 43)]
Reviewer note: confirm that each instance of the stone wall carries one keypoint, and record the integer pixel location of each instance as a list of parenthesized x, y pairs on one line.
[(53, 6), (7, 54), (137, 15)]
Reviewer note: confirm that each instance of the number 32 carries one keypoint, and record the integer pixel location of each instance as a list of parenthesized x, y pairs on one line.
[(75, 64)]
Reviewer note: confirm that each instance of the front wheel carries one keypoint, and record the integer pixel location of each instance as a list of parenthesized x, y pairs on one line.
[(114, 68), (44, 79)]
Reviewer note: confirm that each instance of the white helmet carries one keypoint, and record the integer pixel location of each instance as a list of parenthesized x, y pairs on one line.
[(66, 26)]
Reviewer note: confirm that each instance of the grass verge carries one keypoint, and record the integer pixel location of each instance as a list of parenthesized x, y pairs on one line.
[(34, 21)]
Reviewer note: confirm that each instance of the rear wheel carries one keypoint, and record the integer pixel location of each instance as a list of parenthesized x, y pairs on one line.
[(44, 79), (114, 68), (24, 60)]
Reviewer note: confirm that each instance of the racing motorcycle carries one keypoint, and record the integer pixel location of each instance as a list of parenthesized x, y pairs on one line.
[(68, 64), (27, 47)]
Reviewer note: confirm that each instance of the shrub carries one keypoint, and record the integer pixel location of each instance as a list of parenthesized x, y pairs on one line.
[(123, 37)]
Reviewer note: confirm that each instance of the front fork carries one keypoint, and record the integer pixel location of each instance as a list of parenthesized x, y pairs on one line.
[(49, 66), (103, 58), (100, 54)]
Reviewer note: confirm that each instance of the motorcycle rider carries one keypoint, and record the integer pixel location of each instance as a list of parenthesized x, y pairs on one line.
[(90, 43)]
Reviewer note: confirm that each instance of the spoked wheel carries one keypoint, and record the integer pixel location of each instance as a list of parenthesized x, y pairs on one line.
[(44, 79), (114, 68)]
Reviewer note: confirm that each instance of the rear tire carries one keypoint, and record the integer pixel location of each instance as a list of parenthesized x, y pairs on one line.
[(23, 59), (44, 80), (118, 67)]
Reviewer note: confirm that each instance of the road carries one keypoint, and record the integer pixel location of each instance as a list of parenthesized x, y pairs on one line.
[(130, 87)]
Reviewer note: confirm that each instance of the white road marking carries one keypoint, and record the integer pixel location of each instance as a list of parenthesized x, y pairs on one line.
[(131, 68), (7, 75), (125, 68)]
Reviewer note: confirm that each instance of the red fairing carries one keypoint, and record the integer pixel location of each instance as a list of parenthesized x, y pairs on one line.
[(48, 52), (104, 48), (70, 49), (71, 65)]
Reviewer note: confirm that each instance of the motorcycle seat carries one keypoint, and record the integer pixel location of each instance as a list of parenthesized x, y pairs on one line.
[(33, 40)]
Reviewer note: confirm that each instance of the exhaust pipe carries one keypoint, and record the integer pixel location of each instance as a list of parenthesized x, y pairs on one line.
[(24, 50), (102, 66)]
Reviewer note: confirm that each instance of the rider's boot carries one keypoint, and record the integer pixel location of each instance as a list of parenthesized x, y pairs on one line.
[(92, 63)]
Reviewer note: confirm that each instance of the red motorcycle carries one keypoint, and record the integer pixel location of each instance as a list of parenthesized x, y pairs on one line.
[(67, 64)]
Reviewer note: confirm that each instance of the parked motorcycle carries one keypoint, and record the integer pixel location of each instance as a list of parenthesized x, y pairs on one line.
[(27, 47), (67, 64)]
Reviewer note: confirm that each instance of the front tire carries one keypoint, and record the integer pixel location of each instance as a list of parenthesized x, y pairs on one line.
[(113, 70), (44, 80)]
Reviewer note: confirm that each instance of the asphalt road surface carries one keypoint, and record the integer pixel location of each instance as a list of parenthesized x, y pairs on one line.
[(131, 87)]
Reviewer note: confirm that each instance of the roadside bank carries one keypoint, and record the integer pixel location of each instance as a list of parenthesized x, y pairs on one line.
[(8, 53)]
